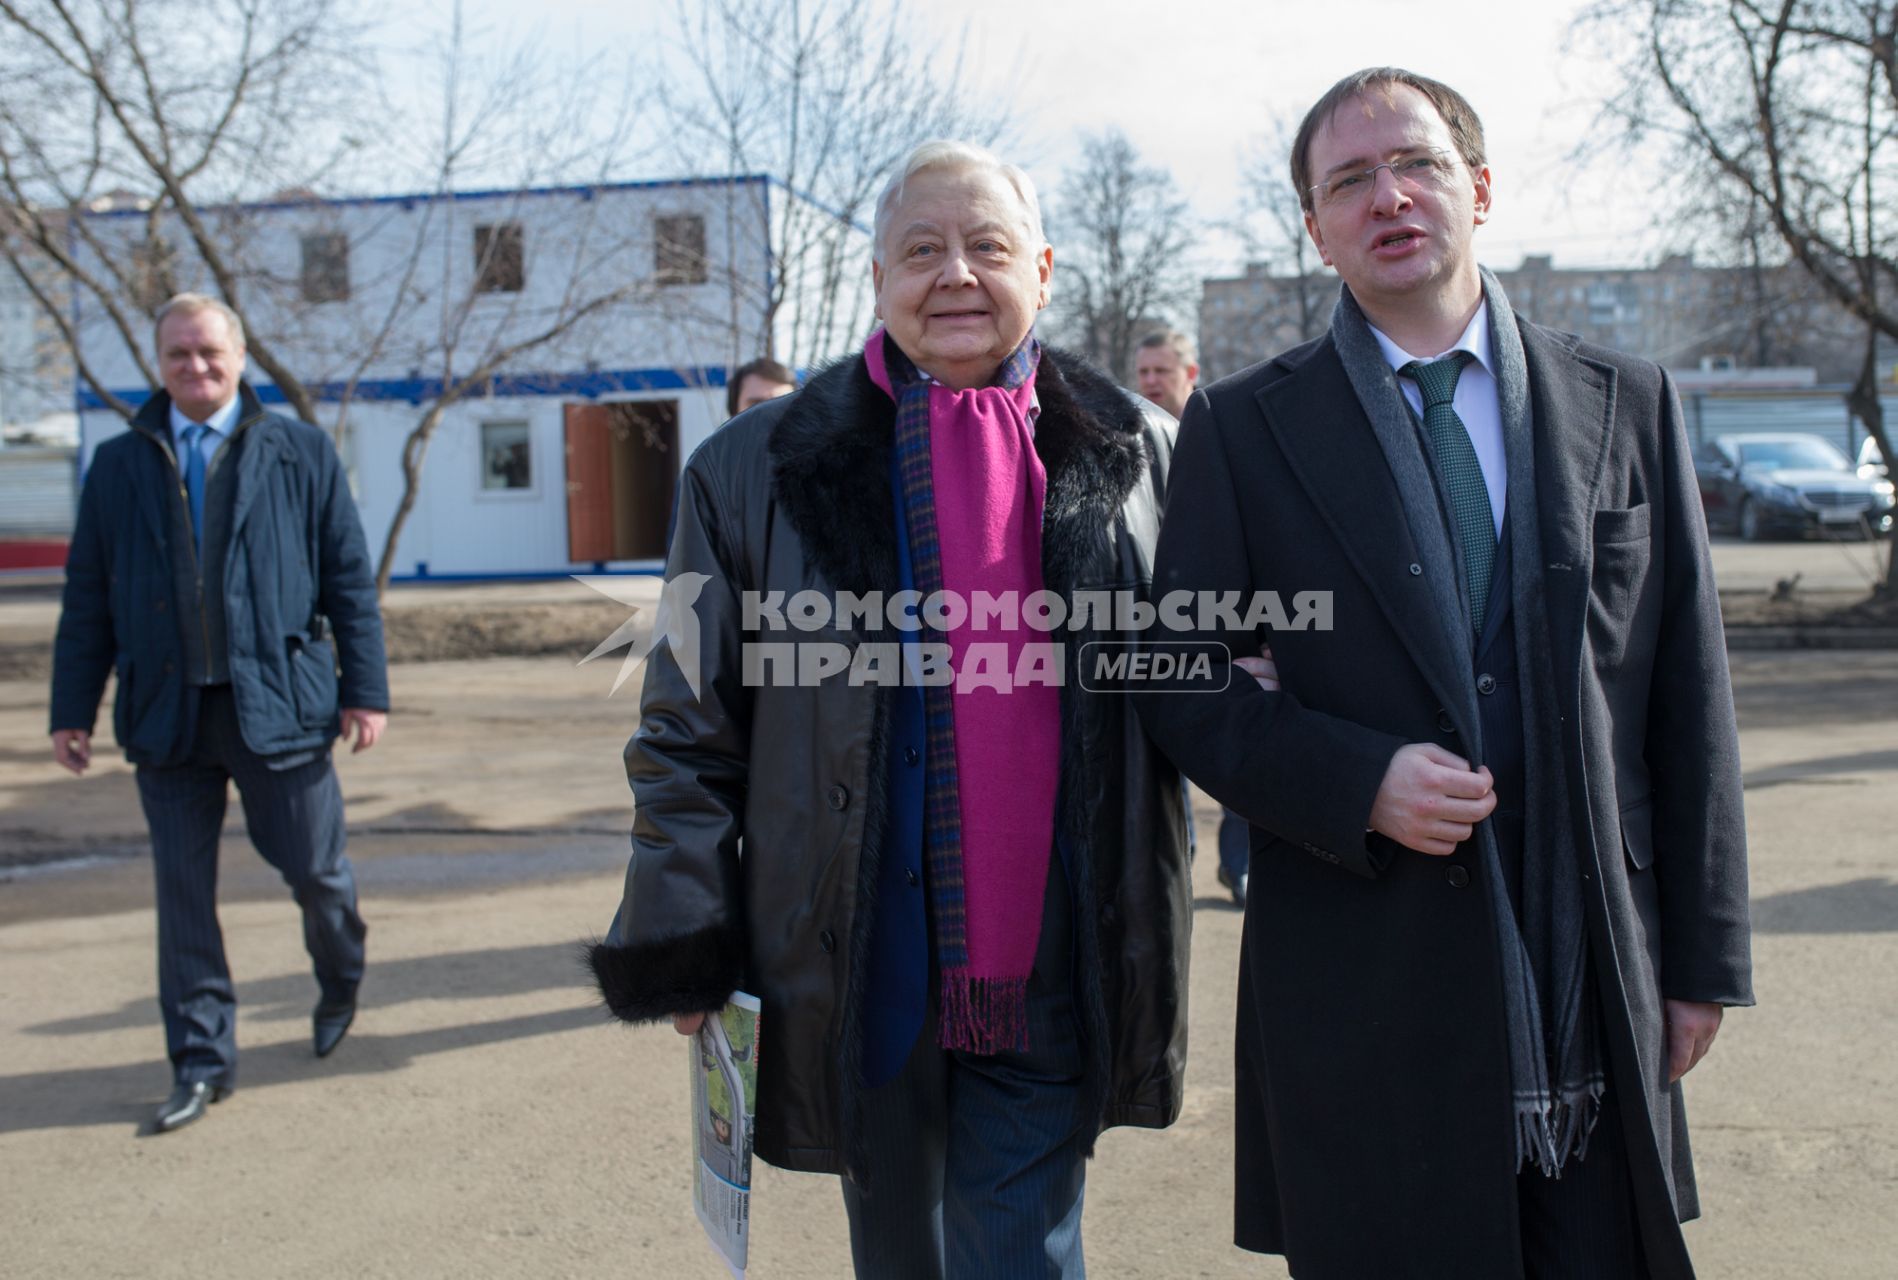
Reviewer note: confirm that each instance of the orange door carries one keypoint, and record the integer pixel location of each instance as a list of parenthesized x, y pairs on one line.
[(589, 483)]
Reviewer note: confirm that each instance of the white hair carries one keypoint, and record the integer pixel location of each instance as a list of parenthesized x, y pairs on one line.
[(190, 304), (957, 157)]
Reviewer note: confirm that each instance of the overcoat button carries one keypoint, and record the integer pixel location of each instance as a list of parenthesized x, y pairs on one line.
[(839, 797), (1486, 684), (1416, 570), (910, 876), (1458, 877), (1444, 722), (911, 755), (828, 941)]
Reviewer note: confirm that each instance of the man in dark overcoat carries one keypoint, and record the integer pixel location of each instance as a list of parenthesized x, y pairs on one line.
[(219, 570), (1496, 804)]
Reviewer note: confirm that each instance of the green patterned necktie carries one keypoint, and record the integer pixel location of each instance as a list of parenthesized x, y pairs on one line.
[(1459, 472)]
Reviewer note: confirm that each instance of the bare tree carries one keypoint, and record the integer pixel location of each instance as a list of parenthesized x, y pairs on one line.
[(1791, 107), (1271, 228), (501, 102), (820, 99), (157, 191), (1123, 236), (171, 107)]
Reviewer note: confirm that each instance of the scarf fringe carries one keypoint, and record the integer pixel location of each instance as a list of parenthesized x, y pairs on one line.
[(1550, 1132), (983, 1015)]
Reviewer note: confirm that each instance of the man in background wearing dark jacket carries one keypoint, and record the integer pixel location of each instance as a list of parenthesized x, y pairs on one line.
[(217, 549)]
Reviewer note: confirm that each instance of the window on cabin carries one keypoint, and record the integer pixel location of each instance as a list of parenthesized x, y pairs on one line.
[(153, 273), (678, 249), (326, 267), (507, 458), (500, 263)]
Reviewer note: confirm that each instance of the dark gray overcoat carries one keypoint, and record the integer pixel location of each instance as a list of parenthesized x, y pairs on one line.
[(1374, 1126)]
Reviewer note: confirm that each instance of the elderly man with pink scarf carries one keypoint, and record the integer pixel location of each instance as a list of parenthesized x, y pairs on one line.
[(954, 873)]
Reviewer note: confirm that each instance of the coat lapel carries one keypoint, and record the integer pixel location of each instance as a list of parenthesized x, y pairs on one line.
[(1334, 454), (1573, 401)]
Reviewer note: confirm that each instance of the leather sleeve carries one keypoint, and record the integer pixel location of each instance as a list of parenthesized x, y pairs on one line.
[(677, 945)]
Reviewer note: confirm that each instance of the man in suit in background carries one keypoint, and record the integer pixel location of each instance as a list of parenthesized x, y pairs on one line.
[(216, 553), (1500, 846), (755, 382)]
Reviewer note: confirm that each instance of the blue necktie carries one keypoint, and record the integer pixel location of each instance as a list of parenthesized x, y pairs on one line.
[(1459, 472), (194, 480)]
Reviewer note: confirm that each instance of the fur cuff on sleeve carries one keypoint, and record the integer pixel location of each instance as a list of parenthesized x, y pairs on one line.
[(648, 981)]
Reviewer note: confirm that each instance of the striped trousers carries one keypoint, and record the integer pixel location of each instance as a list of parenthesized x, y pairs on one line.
[(293, 809), (1582, 1225)]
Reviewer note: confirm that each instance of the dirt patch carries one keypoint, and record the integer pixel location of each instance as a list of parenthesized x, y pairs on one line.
[(441, 633), (431, 633)]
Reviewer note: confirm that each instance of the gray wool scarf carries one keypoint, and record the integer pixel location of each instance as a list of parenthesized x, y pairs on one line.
[(1555, 1061)]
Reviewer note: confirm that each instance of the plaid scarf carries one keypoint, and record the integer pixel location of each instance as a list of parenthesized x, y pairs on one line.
[(992, 756)]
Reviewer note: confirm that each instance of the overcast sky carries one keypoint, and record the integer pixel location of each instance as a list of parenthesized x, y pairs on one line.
[(1192, 81)]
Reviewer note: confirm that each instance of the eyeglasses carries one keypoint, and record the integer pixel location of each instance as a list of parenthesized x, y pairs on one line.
[(1429, 169)]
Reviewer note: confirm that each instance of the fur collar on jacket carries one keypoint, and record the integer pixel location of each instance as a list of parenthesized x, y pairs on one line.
[(830, 470)]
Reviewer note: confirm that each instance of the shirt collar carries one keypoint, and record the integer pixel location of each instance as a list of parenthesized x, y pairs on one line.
[(1475, 340), (223, 422)]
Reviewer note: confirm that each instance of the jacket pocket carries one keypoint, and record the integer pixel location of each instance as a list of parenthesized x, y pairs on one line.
[(1619, 581), (1637, 833), (312, 681), (1614, 525), (1644, 891)]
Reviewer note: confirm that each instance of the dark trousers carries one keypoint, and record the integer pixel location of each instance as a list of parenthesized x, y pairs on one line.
[(1582, 1225), (294, 811), (975, 1160)]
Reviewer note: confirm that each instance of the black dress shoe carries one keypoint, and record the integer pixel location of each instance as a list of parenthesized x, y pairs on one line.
[(331, 1020), (187, 1102)]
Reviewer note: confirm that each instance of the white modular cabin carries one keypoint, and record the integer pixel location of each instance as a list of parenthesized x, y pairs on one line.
[(564, 458)]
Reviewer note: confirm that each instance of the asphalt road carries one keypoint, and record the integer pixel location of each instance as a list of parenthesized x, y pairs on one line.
[(483, 1120)]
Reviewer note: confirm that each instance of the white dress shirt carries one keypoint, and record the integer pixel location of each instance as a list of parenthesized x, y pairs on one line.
[(1476, 402)]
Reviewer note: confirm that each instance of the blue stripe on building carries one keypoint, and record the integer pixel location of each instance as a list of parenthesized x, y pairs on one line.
[(586, 386)]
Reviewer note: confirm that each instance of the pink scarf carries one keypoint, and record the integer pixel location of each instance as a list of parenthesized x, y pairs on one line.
[(988, 487)]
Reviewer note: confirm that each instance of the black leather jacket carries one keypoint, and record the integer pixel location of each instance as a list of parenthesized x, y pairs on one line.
[(760, 808)]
